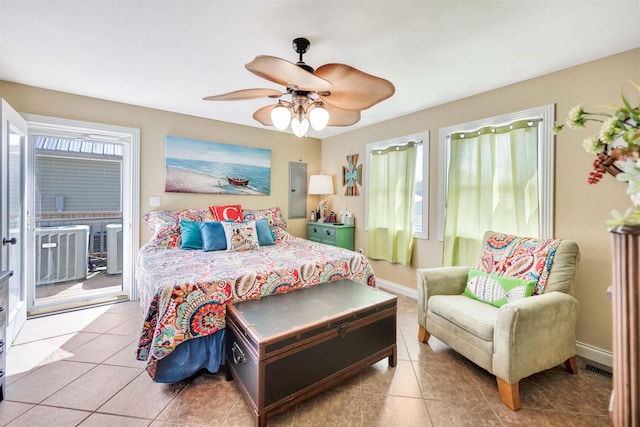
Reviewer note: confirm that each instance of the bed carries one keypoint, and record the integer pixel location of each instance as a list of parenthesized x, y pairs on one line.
[(184, 288)]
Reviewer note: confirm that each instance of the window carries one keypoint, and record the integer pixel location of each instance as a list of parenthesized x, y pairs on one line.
[(421, 199), (421, 194), (394, 202), (495, 173)]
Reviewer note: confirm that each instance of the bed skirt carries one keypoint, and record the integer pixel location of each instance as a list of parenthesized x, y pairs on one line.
[(191, 356)]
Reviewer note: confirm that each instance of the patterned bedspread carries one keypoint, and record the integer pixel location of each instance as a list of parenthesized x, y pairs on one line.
[(185, 292)]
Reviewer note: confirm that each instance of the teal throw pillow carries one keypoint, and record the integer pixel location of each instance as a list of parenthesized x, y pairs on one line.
[(265, 236), (497, 290), (213, 237), (190, 232)]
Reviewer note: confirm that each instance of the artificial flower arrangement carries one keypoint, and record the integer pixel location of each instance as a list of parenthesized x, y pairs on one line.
[(617, 150)]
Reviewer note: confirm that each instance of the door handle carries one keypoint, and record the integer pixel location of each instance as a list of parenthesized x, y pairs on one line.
[(11, 241)]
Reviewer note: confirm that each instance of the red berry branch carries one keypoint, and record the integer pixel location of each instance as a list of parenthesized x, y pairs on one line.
[(598, 168)]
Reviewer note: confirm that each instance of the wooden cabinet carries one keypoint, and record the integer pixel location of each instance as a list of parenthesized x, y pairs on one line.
[(331, 234), (625, 408), (4, 309)]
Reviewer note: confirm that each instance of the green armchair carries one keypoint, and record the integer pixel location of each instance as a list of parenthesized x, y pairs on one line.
[(515, 340)]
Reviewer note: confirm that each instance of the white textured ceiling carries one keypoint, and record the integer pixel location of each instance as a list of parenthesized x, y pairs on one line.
[(170, 54)]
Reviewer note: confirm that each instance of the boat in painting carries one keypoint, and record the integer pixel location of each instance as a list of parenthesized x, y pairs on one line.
[(237, 181)]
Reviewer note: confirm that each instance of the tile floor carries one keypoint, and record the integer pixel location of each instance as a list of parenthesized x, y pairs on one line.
[(78, 368), (96, 284)]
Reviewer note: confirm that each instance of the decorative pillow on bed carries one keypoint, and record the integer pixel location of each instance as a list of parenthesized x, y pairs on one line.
[(227, 212), (272, 215), (190, 235), (275, 218), (265, 236), (240, 236), (213, 236), (280, 234), (497, 290), (165, 225)]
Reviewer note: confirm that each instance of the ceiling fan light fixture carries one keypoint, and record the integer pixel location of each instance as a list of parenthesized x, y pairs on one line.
[(280, 116), (331, 95), (319, 117), (299, 127)]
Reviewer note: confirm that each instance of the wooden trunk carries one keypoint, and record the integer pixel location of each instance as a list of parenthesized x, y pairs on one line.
[(626, 326), (285, 348)]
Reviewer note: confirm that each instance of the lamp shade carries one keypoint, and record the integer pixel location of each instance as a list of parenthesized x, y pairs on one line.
[(319, 117), (280, 116), (299, 127), (320, 184)]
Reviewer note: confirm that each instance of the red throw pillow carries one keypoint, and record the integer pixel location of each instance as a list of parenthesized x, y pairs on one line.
[(228, 212)]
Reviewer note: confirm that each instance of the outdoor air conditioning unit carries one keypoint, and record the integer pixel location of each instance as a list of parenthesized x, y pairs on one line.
[(114, 248), (62, 253)]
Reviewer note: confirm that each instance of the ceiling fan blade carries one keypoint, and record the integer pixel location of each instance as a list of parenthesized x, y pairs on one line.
[(245, 94), (263, 115), (354, 89), (286, 74), (338, 117)]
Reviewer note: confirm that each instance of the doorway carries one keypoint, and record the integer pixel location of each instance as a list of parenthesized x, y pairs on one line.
[(12, 222), (83, 181)]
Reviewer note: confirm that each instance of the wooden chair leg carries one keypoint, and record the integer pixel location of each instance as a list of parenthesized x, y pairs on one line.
[(509, 394), (423, 335), (572, 365)]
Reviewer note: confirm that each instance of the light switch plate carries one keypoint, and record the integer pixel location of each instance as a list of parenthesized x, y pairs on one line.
[(154, 201)]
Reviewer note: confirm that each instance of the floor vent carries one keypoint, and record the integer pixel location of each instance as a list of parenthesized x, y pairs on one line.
[(599, 371)]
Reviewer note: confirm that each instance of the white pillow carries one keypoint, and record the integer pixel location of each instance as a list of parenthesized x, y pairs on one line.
[(241, 236)]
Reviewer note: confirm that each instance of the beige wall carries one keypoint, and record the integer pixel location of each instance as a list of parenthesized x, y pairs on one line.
[(580, 209), (154, 125)]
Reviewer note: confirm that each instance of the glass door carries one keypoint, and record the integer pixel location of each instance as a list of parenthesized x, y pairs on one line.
[(13, 229), (83, 181), (78, 219)]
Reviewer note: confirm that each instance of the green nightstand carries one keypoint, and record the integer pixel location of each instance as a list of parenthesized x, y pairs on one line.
[(331, 234)]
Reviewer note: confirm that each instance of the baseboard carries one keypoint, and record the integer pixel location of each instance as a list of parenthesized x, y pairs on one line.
[(595, 354), (396, 288), (586, 351)]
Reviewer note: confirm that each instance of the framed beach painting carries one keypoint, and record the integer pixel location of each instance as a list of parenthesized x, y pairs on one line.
[(195, 166)]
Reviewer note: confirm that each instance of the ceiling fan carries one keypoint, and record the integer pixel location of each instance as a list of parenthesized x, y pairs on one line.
[(332, 95)]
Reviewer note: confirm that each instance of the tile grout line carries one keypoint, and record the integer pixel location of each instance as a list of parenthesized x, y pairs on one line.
[(113, 394), (175, 396), (96, 364), (63, 386)]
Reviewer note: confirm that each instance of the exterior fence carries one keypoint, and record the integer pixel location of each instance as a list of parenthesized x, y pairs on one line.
[(97, 222)]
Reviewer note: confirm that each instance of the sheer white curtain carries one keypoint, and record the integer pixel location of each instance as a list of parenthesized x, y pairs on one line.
[(492, 185), (391, 203)]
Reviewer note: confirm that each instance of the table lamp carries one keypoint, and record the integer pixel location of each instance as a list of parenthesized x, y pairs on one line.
[(322, 185)]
